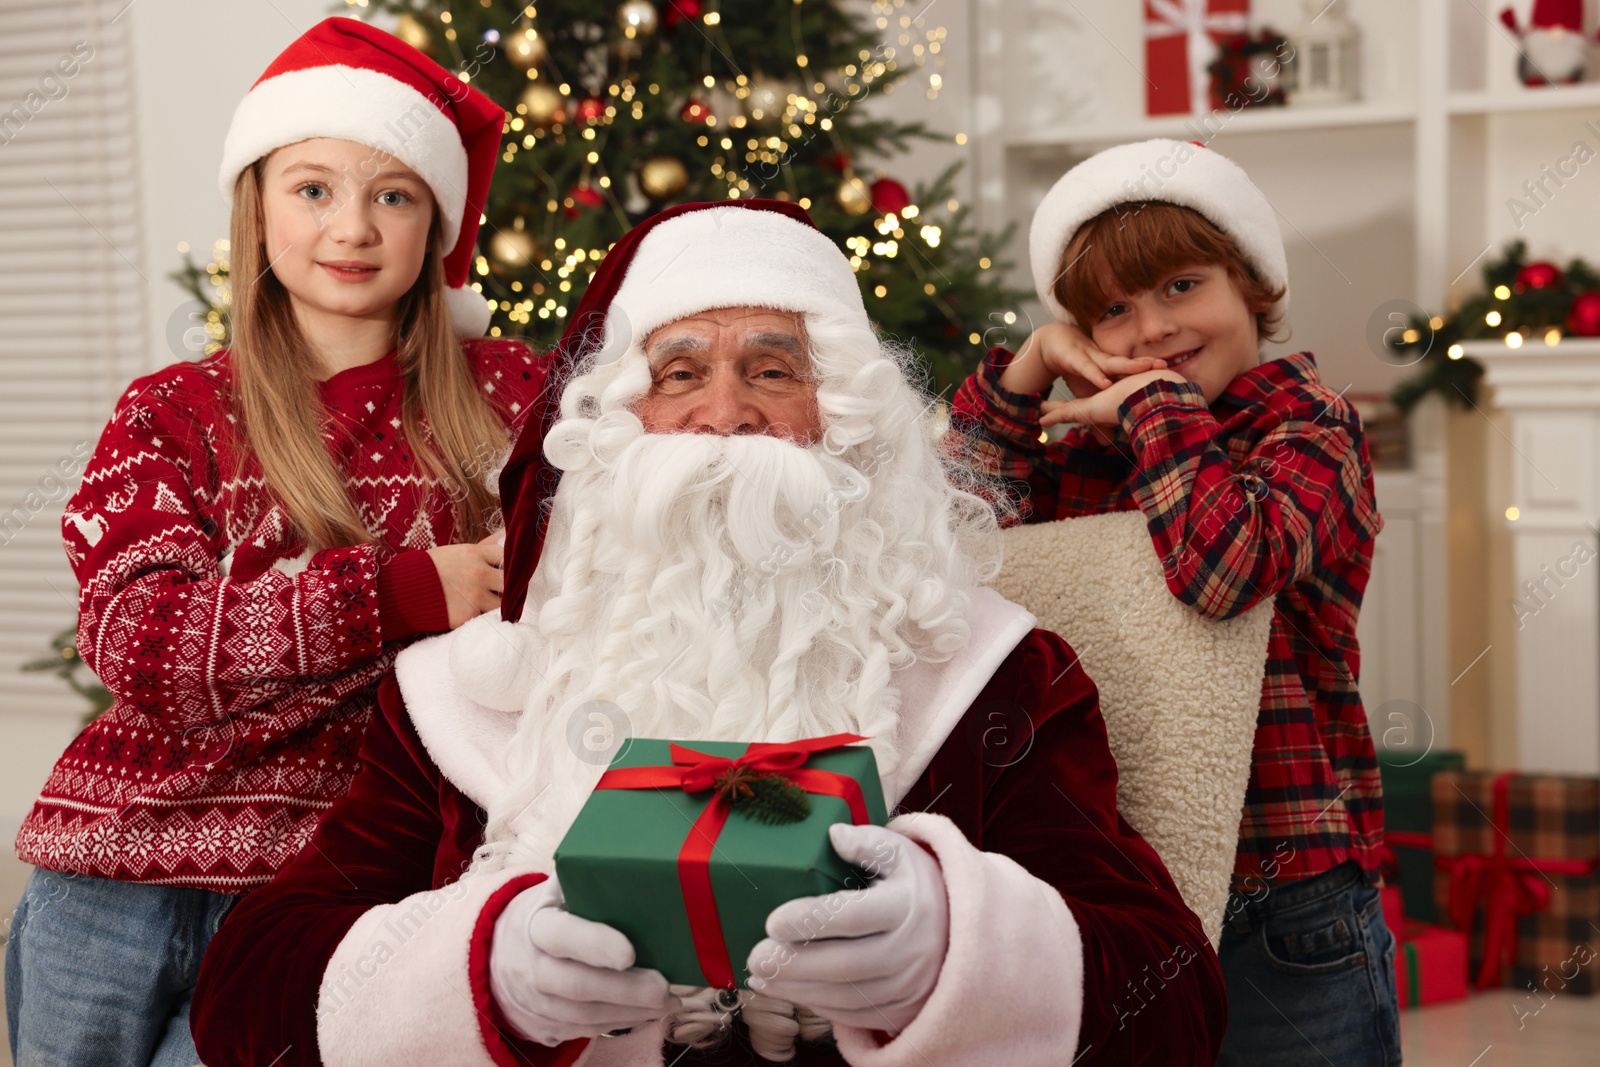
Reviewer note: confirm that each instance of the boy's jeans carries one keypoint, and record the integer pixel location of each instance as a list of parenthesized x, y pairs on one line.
[(1310, 972), (99, 972)]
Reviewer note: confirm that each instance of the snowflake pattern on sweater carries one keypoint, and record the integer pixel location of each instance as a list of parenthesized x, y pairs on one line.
[(244, 667)]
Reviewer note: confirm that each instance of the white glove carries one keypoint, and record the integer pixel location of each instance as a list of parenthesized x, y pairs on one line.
[(557, 977), (869, 957)]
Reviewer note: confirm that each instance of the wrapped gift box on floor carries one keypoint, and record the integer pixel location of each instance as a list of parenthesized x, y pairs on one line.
[(657, 853), (1517, 862), (1430, 964), (1182, 38), (1408, 824)]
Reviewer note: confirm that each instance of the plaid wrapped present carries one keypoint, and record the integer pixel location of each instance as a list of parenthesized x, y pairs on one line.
[(1408, 825), (1517, 865)]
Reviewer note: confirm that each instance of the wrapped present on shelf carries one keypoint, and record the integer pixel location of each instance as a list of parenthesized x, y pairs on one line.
[(687, 847), (1408, 824), (1517, 866), (1430, 965), (1182, 39)]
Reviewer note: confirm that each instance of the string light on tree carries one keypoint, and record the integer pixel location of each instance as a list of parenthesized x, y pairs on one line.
[(526, 49)]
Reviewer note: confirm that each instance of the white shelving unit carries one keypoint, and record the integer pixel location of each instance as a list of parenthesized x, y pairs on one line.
[(1398, 196)]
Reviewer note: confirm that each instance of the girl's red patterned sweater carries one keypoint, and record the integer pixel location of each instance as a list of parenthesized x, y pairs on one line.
[(244, 667)]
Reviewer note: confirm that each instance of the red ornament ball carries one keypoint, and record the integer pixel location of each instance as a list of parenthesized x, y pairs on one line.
[(1539, 275), (838, 161), (679, 10), (1583, 320), (889, 196), (590, 109), (695, 111), (583, 196)]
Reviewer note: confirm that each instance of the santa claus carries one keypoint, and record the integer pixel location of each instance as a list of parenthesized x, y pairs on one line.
[(736, 519)]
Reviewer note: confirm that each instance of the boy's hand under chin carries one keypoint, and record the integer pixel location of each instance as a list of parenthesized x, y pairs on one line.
[(1099, 409), (1061, 350)]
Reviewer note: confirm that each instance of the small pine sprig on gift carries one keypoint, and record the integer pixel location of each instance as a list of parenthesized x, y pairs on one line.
[(768, 798)]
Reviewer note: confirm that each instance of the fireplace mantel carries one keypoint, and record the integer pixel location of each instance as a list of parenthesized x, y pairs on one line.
[(1551, 394)]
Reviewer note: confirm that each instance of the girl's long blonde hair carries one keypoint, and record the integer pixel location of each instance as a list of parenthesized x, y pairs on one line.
[(280, 410)]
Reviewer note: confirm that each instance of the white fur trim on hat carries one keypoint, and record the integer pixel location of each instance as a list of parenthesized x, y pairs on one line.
[(738, 257), (469, 311), (1174, 172), (353, 105)]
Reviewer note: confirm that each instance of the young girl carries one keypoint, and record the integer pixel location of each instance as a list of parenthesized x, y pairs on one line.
[(259, 532), (1165, 269)]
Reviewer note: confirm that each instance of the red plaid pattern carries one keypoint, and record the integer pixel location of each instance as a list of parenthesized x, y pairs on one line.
[(1549, 818), (1265, 494)]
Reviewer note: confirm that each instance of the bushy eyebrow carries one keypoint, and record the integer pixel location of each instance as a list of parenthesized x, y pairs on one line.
[(783, 342), (676, 346)]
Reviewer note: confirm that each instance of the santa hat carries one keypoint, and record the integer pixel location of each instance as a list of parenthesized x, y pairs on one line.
[(1173, 172), (687, 259), (347, 80), (1549, 15)]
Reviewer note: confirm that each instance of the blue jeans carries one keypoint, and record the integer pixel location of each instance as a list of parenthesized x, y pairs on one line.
[(1310, 973), (100, 972)]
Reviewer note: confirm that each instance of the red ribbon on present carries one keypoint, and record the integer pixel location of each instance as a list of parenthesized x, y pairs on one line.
[(1197, 23), (1393, 839), (1506, 886), (695, 772)]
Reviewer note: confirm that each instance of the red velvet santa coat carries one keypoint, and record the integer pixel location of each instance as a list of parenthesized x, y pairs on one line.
[(1068, 941)]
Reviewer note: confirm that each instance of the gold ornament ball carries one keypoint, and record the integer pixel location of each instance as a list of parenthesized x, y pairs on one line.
[(639, 16), (411, 30), (526, 48), (543, 103), (854, 197), (513, 247), (662, 177)]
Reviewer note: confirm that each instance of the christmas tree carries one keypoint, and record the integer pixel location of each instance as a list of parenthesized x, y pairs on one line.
[(615, 112)]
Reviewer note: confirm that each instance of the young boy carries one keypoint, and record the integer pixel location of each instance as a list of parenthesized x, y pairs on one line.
[(1167, 270)]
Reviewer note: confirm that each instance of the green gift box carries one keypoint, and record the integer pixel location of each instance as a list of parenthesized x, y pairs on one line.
[(1408, 822), (648, 856)]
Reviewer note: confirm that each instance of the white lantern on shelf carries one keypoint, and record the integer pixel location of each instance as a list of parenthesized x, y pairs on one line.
[(1326, 68)]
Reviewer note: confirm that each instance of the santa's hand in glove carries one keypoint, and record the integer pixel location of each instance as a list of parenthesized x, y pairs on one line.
[(869, 957), (557, 977)]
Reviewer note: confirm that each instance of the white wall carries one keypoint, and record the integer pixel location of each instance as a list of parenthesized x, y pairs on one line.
[(194, 61)]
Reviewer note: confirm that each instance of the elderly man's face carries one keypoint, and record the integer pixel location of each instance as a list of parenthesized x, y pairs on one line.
[(731, 371)]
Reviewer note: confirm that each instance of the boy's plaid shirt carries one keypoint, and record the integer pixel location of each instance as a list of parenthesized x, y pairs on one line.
[(1268, 493)]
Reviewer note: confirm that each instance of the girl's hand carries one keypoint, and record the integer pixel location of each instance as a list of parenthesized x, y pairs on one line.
[(1099, 409), (1061, 350), (470, 574)]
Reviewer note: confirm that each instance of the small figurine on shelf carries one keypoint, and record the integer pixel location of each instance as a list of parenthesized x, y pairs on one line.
[(1327, 58), (1553, 43), (1249, 71)]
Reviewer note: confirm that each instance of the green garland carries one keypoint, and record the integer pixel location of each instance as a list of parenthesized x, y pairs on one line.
[(1505, 306)]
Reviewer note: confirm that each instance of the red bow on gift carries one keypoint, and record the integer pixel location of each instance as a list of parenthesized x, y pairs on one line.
[(696, 772), (1506, 886)]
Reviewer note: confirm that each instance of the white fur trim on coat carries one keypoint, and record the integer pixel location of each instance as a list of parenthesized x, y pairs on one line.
[(731, 258), (1012, 977), (351, 104), (1175, 172), (467, 740), (398, 988)]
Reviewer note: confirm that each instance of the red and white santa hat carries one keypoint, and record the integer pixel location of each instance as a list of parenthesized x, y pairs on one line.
[(1173, 172), (347, 80), (1549, 15)]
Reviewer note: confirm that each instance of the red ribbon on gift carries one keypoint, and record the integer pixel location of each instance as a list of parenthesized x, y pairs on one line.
[(695, 772), (1393, 839), (1506, 886)]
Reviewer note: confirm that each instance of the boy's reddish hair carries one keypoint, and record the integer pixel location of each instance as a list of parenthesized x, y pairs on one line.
[(1133, 246)]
